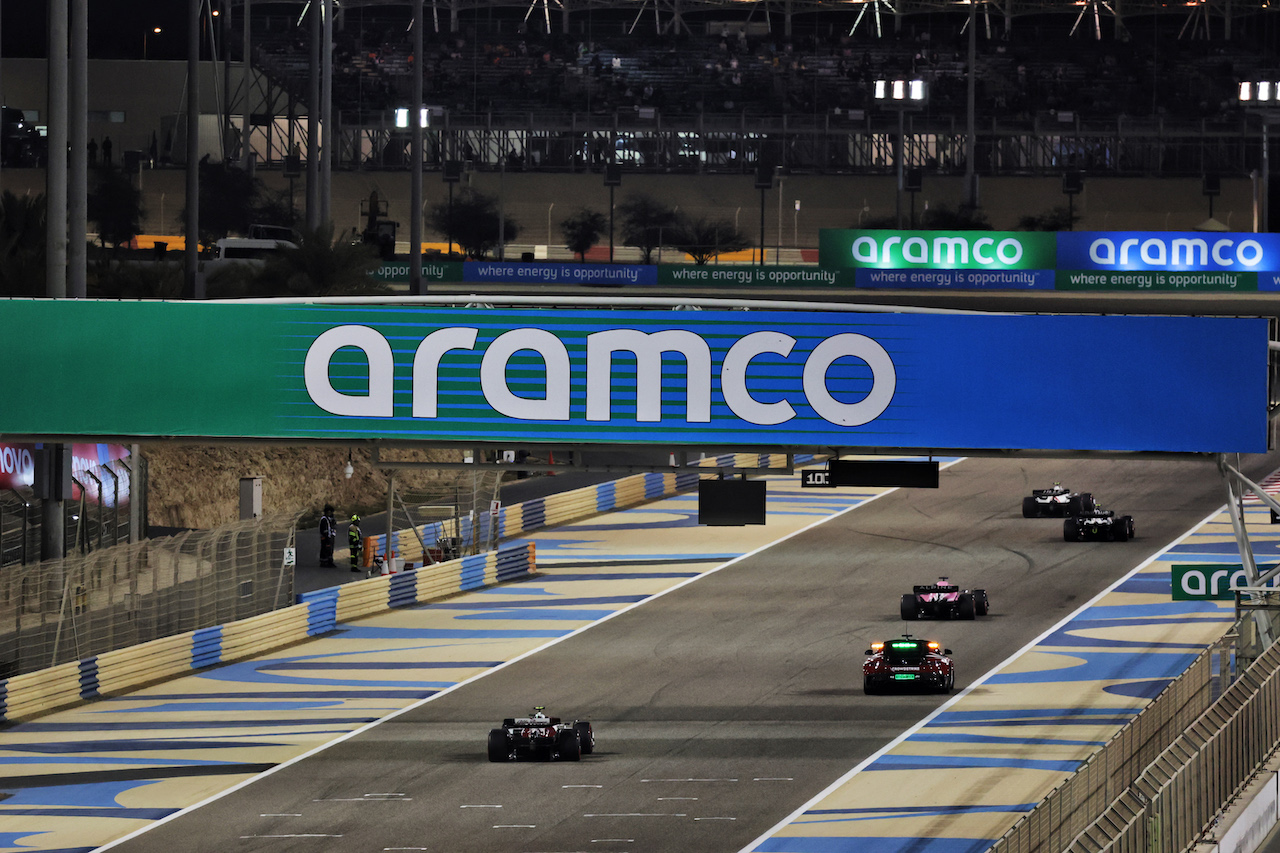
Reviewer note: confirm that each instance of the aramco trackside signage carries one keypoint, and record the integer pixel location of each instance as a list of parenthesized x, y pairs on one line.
[(758, 378), (1067, 260), (1209, 581)]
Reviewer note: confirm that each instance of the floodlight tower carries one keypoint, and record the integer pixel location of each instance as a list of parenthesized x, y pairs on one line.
[(1262, 98), (901, 96)]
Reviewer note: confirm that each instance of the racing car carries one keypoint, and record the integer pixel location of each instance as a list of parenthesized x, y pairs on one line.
[(1057, 501), (909, 663), (541, 737), (943, 600), (1099, 524)]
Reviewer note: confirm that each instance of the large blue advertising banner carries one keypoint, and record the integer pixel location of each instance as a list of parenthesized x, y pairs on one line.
[(760, 378)]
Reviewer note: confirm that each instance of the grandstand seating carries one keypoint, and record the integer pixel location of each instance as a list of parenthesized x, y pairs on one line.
[(1045, 70)]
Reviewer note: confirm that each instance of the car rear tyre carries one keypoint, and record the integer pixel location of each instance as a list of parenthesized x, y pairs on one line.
[(908, 608), (868, 687), (1071, 530), (586, 737), (966, 606), (980, 603), (1030, 509), (497, 745), (568, 745)]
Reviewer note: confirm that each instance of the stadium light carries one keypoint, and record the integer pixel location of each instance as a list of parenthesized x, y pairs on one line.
[(900, 96), (1261, 97), (402, 117)]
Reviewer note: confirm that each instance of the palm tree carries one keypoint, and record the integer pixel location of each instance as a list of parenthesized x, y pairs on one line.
[(582, 230), (704, 239), (319, 266), (644, 220), (472, 222), (22, 238)]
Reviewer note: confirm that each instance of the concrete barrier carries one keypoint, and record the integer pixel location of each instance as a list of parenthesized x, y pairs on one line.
[(565, 507)]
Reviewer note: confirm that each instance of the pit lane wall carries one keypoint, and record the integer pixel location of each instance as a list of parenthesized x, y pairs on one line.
[(24, 697), (408, 544)]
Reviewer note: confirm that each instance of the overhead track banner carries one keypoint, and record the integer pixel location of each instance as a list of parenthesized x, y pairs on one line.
[(740, 378)]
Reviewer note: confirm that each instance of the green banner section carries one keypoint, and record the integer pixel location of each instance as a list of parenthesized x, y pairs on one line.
[(438, 271), (1208, 581), (953, 250), (1171, 281), (187, 368), (743, 275)]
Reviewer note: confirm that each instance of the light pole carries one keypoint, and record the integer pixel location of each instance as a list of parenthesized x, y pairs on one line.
[(451, 174), (900, 96), (795, 227), (764, 183), (777, 254), (612, 179), (1072, 186), (1263, 98), (155, 30)]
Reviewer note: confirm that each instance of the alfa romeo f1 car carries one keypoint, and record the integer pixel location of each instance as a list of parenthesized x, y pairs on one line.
[(908, 663), (1057, 501), (1101, 524), (943, 600), (542, 738)]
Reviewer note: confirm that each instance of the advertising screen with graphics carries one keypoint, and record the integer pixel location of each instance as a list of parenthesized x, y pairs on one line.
[(964, 260), (759, 378), (91, 465)]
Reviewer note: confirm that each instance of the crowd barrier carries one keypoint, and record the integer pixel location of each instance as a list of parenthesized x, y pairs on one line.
[(24, 697)]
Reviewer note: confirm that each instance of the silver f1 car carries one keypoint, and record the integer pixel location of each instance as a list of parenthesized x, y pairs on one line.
[(1098, 524), (542, 738), (943, 600), (1057, 501)]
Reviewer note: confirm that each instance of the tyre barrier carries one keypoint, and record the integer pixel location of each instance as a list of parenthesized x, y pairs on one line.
[(33, 694)]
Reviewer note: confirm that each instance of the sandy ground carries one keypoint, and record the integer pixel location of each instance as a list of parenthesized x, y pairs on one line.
[(198, 486)]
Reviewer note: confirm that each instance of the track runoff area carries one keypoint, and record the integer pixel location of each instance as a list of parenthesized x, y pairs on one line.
[(710, 735)]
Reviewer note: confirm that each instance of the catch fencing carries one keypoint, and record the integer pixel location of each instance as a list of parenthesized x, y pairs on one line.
[(86, 604), (107, 513), (1162, 780)]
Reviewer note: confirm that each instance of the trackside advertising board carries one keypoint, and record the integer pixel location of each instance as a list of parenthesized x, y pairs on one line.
[(1134, 261), (224, 369)]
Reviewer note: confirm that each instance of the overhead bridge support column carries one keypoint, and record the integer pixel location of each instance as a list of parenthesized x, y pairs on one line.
[(1236, 484)]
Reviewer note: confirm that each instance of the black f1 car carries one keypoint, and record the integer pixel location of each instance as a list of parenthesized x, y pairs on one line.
[(1102, 524), (541, 737), (1057, 501), (943, 600), (908, 663)]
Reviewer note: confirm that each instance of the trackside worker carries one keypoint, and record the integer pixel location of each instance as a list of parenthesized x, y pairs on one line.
[(356, 543)]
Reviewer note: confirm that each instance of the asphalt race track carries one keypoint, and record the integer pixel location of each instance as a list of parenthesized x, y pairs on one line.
[(725, 705)]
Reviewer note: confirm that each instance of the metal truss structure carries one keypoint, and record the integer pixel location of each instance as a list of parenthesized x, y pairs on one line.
[(1203, 18)]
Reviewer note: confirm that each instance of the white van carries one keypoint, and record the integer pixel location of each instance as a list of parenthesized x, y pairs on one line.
[(248, 248)]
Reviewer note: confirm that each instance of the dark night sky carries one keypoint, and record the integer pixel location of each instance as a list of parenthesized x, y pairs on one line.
[(116, 27)]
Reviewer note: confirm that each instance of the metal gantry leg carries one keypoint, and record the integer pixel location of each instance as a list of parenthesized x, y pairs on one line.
[(1236, 484)]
